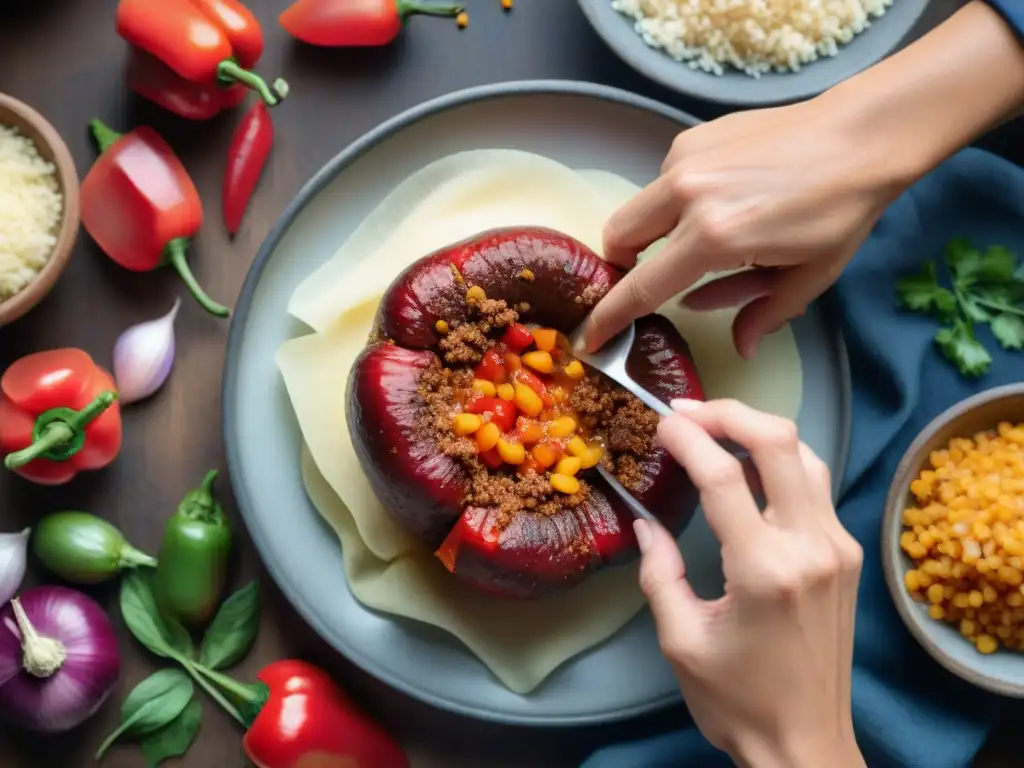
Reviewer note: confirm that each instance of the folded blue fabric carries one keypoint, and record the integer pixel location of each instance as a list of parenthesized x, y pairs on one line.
[(909, 712)]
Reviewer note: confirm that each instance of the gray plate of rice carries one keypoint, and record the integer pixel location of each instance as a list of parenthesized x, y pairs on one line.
[(752, 52)]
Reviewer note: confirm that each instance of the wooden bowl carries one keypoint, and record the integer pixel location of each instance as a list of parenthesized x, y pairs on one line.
[(1003, 671), (52, 148)]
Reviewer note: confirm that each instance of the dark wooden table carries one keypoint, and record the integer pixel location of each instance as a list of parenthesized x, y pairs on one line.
[(63, 57)]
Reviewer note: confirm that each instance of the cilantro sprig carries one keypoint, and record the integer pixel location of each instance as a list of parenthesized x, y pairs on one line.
[(986, 287)]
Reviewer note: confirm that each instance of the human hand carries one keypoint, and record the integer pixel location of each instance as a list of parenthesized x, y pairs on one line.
[(791, 189), (765, 669)]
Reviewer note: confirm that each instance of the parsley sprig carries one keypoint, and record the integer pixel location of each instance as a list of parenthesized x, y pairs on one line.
[(986, 287)]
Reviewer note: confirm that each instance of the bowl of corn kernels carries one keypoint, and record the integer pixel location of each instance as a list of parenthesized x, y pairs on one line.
[(953, 539)]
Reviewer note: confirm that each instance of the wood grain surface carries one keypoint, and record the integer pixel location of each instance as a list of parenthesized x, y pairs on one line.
[(63, 58)]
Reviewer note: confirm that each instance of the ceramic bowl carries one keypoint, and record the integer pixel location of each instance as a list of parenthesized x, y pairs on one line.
[(1003, 671), (736, 88), (51, 147)]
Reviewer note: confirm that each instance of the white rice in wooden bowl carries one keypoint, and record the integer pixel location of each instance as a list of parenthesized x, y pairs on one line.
[(30, 211), (752, 36)]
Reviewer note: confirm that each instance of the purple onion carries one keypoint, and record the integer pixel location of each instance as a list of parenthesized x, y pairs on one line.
[(144, 356), (67, 665)]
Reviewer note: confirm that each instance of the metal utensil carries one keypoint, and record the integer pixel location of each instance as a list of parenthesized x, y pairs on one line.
[(638, 509), (611, 361)]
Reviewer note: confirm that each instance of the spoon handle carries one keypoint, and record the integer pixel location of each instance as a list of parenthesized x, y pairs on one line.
[(638, 509)]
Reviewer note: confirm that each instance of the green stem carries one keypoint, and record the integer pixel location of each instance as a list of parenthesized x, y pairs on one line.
[(997, 305), (103, 135), (240, 691), (229, 73), (216, 695), (407, 8), (175, 253), (134, 558), (62, 434)]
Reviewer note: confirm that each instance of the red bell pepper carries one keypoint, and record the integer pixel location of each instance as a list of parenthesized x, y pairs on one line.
[(517, 337), (58, 416), (246, 157), (296, 716), (206, 44), (152, 79), (492, 366), (337, 23), (140, 206), (503, 413)]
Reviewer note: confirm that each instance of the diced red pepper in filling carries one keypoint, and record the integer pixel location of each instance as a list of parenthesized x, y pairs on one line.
[(517, 337), (491, 367), (491, 458), (503, 413)]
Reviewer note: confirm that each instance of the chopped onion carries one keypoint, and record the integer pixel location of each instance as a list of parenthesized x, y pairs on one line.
[(58, 659), (13, 559), (143, 357)]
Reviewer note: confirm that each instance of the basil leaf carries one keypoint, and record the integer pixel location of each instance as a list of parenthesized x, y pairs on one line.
[(162, 636), (174, 739), (233, 630), (152, 704)]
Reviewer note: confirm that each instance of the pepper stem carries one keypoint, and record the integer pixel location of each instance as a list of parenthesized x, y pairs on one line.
[(134, 558), (229, 73), (41, 656), (103, 135), (175, 252), (60, 432), (407, 8)]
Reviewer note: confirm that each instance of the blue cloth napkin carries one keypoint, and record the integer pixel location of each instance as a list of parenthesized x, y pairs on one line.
[(909, 712)]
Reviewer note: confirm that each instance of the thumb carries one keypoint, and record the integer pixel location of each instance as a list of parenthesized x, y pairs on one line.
[(790, 292), (663, 581)]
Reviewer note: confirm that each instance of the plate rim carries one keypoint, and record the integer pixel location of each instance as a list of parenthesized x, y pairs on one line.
[(320, 179), (641, 64)]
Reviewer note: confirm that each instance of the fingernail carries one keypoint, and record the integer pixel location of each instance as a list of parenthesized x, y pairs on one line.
[(643, 534), (683, 404)]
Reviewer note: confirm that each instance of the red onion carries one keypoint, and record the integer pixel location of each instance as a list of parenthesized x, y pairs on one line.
[(58, 659)]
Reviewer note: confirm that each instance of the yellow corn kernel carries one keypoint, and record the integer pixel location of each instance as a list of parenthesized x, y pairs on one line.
[(511, 453), (526, 274), (968, 628), (475, 293), (578, 446), (466, 424), (937, 612), (487, 436), (975, 598), (935, 594), (484, 387), (986, 644), (506, 392), (563, 426), (592, 457), (574, 370), (565, 484), (539, 360), (570, 465), (441, 326), (527, 400), (912, 583), (462, 20)]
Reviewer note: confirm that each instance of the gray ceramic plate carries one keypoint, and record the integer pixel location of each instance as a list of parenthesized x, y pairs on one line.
[(867, 48), (583, 126)]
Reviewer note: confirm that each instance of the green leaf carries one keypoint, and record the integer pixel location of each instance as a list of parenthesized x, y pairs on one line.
[(174, 739), (963, 350), (233, 630), (162, 636), (1008, 330), (997, 264), (922, 292), (975, 312), (152, 704), (961, 257)]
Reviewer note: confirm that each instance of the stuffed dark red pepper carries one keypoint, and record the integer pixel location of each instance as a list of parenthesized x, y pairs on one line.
[(480, 432), (58, 416), (194, 57)]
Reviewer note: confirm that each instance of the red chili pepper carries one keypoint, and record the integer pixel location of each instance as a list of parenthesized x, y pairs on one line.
[(337, 23), (492, 366), (140, 206), (58, 416), (152, 79), (249, 149), (205, 42), (517, 337)]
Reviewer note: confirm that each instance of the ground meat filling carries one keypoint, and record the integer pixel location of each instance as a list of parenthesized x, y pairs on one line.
[(606, 414)]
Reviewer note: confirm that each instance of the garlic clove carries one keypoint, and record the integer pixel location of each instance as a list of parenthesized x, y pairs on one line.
[(13, 562), (144, 356)]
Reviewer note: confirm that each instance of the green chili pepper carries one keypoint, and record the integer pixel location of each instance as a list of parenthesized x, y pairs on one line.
[(193, 558), (83, 548)]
